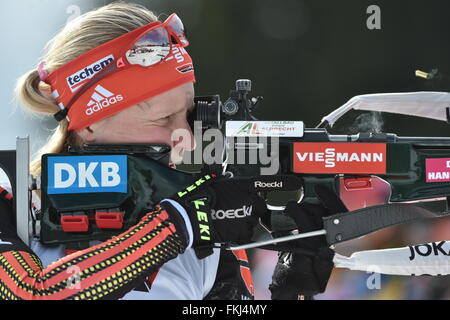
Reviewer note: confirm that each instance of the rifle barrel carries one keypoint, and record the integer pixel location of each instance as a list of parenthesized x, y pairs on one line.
[(424, 140)]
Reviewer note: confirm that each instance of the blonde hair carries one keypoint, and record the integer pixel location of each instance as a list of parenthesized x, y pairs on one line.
[(79, 36)]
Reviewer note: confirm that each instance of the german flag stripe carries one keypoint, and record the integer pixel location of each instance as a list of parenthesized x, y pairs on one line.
[(18, 271), (118, 241), (111, 264), (121, 265), (57, 283), (99, 255), (139, 251), (24, 260), (46, 292), (36, 260), (5, 292), (22, 279), (31, 261), (163, 251), (101, 286), (8, 282)]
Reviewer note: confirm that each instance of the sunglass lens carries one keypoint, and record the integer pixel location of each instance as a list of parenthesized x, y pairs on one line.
[(176, 26), (150, 49)]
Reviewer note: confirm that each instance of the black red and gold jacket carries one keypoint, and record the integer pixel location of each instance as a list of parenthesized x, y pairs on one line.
[(148, 261)]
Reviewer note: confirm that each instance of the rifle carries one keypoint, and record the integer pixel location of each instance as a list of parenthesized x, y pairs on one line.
[(382, 178), (408, 174)]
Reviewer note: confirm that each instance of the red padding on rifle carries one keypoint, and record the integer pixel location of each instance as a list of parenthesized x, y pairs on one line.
[(78, 223), (109, 220)]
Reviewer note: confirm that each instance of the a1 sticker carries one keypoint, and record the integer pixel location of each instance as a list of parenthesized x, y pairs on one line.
[(294, 129), (438, 170), (330, 157)]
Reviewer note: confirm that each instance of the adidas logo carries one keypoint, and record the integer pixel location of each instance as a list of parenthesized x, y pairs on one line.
[(102, 98)]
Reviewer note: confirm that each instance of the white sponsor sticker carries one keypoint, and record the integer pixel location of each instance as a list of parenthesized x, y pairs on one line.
[(76, 80), (293, 129)]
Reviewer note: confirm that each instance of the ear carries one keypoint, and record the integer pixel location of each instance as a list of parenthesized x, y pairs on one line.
[(88, 135)]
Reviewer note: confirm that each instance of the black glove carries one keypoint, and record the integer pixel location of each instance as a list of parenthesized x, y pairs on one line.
[(227, 209), (307, 274)]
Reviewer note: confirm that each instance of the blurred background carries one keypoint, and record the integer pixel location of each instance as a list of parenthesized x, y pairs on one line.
[(306, 57)]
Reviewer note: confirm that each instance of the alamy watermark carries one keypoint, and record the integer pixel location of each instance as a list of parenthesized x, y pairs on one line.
[(74, 281), (374, 20), (212, 147), (373, 282), (73, 11)]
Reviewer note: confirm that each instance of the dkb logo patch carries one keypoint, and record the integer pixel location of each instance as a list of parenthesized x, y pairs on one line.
[(87, 174)]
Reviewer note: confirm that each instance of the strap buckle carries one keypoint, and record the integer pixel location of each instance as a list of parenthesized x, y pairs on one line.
[(61, 115)]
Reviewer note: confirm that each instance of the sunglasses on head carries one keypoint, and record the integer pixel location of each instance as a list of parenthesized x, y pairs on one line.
[(155, 44)]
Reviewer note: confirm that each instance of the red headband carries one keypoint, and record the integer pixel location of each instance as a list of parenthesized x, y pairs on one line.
[(121, 89)]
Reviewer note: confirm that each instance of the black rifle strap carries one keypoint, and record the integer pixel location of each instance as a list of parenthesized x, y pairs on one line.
[(346, 226), (448, 114), (8, 164)]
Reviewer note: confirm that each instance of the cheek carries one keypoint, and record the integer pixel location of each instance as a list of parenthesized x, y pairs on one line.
[(151, 135), (133, 133)]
